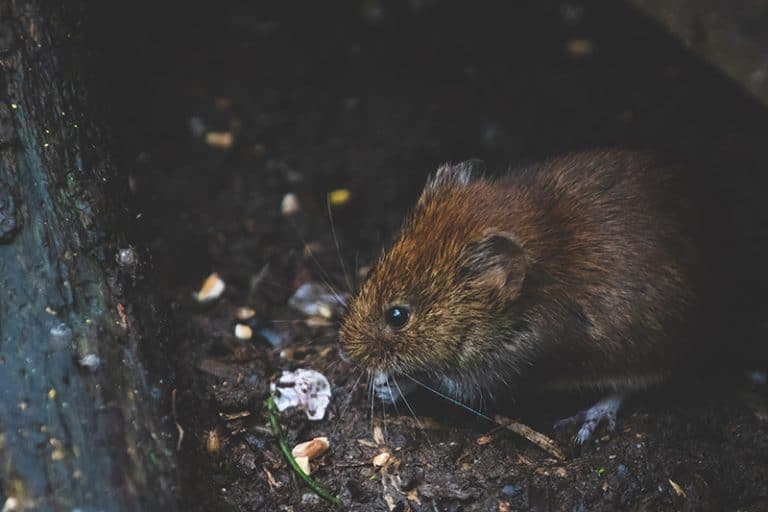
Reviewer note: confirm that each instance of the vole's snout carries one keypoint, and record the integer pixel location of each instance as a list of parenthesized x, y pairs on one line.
[(374, 354)]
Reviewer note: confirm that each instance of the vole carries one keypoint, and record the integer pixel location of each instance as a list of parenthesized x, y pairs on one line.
[(584, 271)]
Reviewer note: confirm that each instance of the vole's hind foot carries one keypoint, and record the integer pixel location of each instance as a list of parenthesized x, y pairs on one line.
[(603, 411)]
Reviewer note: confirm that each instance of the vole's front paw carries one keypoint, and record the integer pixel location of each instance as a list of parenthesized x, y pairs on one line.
[(604, 410)]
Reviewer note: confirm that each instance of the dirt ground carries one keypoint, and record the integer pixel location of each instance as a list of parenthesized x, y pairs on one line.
[(370, 97)]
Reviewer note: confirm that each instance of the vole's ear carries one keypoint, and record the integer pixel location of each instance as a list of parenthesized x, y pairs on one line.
[(452, 175), (496, 263)]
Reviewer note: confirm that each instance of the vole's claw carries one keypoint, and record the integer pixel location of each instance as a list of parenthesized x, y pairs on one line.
[(603, 411)]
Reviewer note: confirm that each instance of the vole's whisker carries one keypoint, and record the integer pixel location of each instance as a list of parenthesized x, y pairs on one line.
[(446, 397), (408, 405), (324, 277), (346, 403), (357, 269), (336, 241), (372, 398), (392, 397), (330, 366), (384, 419)]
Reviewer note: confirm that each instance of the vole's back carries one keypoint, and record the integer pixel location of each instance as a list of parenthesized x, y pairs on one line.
[(617, 264)]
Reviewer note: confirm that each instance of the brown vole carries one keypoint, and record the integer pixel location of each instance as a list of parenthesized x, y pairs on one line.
[(580, 272)]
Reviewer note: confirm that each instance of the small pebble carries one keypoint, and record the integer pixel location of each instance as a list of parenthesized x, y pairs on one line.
[(126, 257), (220, 140), (579, 47), (310, 498), (243, 332), (245, 313), (511, 490), (212, 288), (223, 103), (90, 361), (290, 205), (11, 504), (196, 126)]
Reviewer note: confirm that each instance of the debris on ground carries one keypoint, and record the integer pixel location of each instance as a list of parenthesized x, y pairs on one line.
[(220, 140), (243, 332), (212, 288), (544, 442), (314, 299), (306, 389), (290, 205), (312, 448)]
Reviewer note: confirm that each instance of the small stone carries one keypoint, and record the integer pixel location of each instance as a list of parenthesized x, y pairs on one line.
[(196, 126), (220, 140), (127, 257), (245, 313), (212, 288), (511, 490), (11, 505), (223, 103), (290, 205), (243, 332), (310, 498), (579, 47)]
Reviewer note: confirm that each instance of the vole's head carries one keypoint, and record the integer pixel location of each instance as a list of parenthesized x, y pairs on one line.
[(438, 303)]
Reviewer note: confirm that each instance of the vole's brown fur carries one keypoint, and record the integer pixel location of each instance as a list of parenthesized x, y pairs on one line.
[(581, 271)]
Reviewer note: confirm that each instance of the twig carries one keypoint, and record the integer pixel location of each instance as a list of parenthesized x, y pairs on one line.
[(278, 431), (537, 438), (176, 420)]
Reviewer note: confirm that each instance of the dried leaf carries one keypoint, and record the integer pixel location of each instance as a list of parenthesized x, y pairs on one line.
[(378, 435), (676, 487), (381, 459)]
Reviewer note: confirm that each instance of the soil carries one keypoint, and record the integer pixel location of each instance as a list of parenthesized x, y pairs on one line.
[(370, 97)]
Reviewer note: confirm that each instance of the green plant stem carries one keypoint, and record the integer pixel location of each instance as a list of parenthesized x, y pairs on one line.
[(278, 431)]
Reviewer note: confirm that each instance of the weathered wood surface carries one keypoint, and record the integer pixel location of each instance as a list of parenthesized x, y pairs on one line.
[(730, 34), (77, 411)]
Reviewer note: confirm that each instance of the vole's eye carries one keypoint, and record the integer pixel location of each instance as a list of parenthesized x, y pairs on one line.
[(397, 316)]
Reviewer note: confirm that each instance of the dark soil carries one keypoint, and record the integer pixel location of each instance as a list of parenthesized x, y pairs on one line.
[(371, 97)]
